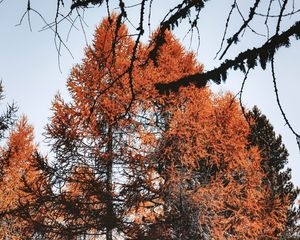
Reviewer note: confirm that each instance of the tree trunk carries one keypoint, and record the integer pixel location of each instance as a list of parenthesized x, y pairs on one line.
[(109, 204)]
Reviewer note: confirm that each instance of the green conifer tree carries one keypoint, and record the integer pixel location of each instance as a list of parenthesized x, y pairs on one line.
[(278, 177)]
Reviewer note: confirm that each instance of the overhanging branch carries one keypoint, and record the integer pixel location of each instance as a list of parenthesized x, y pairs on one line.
[(245, 59)]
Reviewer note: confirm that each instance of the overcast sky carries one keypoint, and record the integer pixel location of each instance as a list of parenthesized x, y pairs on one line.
[(31, 76)]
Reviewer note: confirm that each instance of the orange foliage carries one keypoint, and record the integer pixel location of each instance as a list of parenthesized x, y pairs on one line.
[(207, 132), (142, 169), (17, 174)]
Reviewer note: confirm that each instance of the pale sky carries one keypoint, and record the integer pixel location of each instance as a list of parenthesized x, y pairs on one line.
[(31, 77)]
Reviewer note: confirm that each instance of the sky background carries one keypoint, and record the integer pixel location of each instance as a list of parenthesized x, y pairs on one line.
[(31, 76)]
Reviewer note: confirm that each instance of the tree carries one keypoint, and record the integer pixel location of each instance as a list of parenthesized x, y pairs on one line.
[(87, 138), (7, 120), (211, 181), (230, 187), (278, 179), (96, 137), (18, 166)]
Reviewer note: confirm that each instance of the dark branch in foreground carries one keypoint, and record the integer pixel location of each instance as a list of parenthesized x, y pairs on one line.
[(264, 54)]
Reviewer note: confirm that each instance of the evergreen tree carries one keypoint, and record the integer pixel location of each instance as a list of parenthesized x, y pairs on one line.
[(8, 118), (277, 177)]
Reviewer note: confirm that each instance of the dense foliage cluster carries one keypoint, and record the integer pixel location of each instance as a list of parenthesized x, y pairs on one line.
[(130, 163)]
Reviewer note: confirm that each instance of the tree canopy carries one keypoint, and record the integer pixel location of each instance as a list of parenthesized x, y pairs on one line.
[(132, 163)]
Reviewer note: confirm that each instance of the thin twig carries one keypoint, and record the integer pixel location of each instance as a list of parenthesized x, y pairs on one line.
[(226, 27), (234, 38), (241, 95), (278, 100)]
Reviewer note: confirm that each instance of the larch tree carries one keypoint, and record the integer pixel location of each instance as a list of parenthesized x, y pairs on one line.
[(86, 136), (201, 158), (103, 134), (206, 179), (18, 171)]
